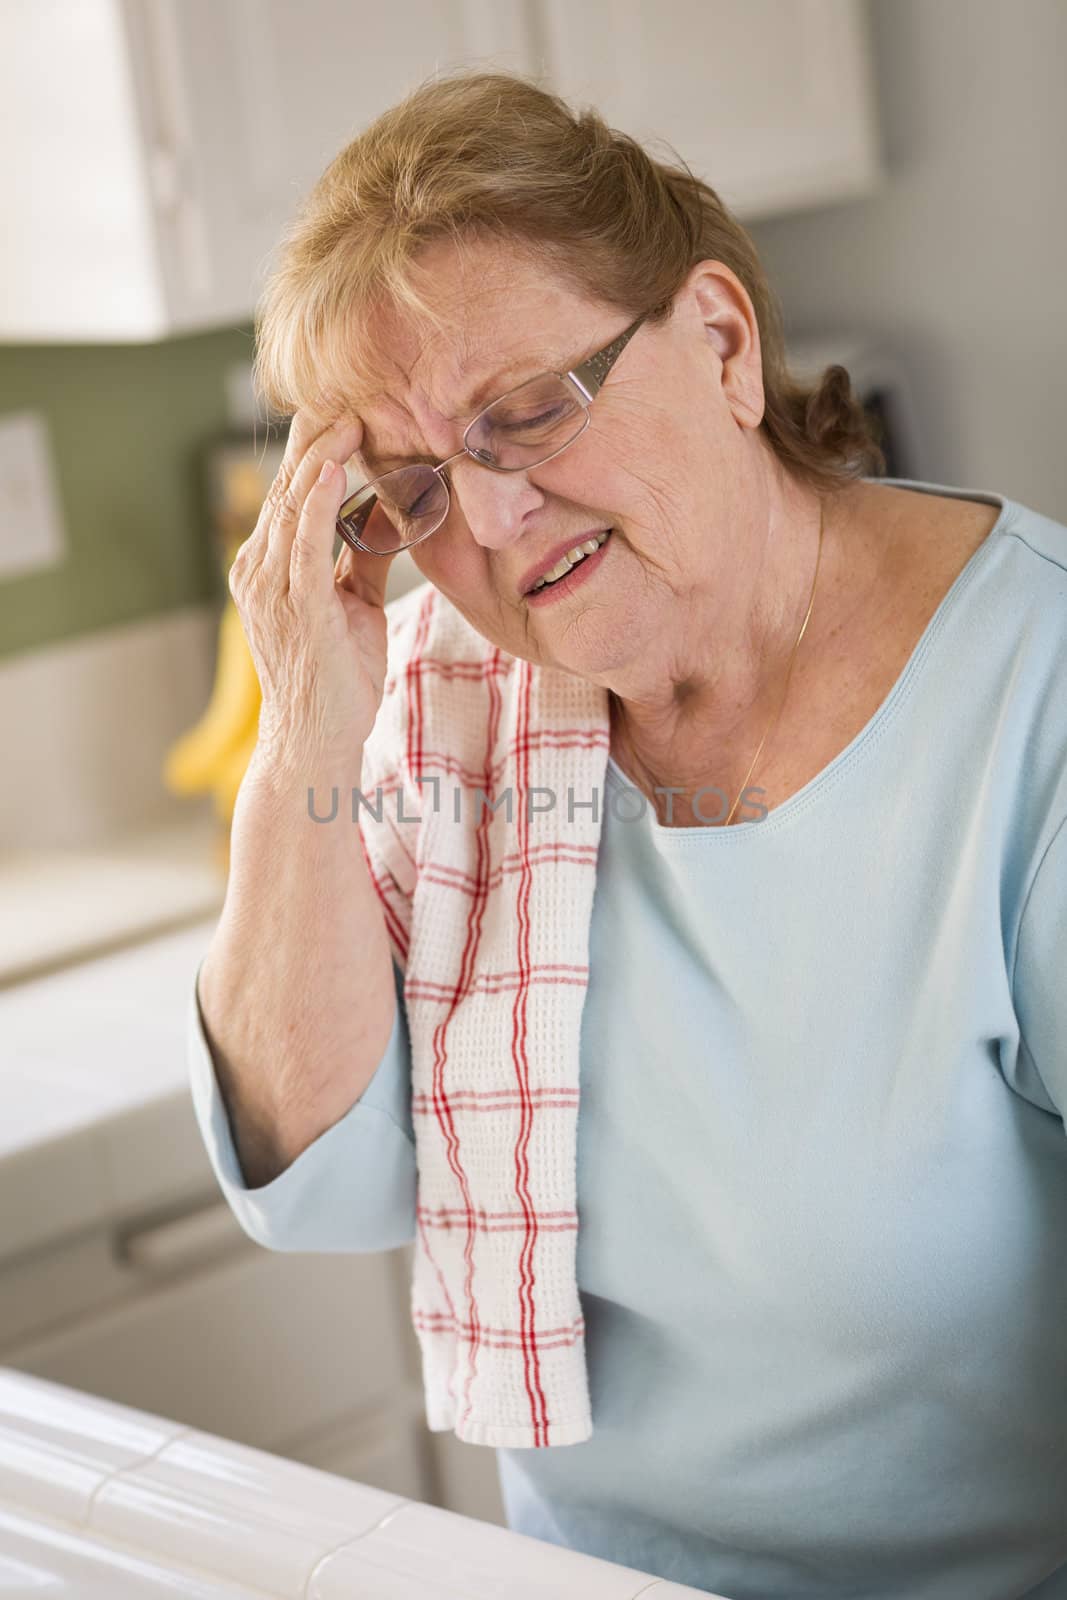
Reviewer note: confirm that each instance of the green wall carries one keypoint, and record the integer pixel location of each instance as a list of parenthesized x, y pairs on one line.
[(126, 423)]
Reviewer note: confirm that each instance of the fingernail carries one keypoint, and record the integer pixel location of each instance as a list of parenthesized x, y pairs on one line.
[(327, 472)]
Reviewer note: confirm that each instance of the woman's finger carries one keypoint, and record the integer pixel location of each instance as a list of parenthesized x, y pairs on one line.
[(311, 571), (287, 497)]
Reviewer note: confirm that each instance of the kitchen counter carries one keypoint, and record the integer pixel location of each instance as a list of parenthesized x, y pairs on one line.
[(124, 1273), (64, 905), (99, 1501), (96, 1118)]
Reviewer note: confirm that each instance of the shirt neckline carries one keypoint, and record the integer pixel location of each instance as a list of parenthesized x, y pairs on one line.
[(781, 816)]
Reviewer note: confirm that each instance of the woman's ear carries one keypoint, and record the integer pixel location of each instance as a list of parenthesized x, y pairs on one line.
[(744, 392), (731, 329)]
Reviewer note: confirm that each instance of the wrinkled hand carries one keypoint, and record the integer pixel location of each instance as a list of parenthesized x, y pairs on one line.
[(316, 630)]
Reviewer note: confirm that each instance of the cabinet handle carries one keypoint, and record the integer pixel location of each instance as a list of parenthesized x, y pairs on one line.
[(181, 1243)]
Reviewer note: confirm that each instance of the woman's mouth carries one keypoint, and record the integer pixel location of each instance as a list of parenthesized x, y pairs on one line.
[(546, 590)]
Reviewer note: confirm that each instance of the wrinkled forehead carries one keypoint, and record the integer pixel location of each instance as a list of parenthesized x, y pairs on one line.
[(394, 350), (486, 313)]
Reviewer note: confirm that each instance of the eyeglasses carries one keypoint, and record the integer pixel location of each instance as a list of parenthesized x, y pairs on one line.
[(524, 428)]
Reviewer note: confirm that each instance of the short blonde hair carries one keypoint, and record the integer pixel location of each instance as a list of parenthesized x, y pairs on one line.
[(479, 154)]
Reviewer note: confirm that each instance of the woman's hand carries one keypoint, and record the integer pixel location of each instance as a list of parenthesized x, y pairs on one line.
[(317, 632)]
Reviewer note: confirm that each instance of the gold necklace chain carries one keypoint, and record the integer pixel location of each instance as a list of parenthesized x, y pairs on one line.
[(788, 675)]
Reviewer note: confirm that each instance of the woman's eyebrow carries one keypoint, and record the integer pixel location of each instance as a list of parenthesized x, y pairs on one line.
[(477, 399), (506, 378), (376, 464)]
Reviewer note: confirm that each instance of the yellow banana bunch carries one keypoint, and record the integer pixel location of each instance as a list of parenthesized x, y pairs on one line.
[(214, 754)]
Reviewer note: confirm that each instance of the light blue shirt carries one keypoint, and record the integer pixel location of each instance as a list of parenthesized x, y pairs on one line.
[(822, 1170)]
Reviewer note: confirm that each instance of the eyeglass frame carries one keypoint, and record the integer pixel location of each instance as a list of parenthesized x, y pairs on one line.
[(587, 379)]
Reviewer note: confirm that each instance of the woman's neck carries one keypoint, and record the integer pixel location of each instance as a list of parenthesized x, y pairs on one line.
[(698, 729)]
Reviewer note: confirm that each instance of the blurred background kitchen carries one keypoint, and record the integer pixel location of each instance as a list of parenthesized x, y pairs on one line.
[(900, 166)]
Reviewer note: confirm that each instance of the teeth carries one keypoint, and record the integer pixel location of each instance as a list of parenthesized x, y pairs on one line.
[(571, 559)]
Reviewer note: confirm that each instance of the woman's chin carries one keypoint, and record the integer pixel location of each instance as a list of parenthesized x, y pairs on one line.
[(595, 640)]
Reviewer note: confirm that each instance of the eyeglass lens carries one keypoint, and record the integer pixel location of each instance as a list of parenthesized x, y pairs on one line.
[(521, 429)]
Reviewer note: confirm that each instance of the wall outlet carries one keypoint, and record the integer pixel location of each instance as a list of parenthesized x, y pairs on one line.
[(32, 535)]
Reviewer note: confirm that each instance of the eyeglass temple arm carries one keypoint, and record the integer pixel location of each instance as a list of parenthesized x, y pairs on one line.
[(591, 374)]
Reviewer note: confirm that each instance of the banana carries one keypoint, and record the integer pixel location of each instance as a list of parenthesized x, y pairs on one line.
[(230, 772), (194, 763)]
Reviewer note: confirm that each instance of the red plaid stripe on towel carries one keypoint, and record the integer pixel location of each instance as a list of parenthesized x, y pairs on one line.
[(488, 916)]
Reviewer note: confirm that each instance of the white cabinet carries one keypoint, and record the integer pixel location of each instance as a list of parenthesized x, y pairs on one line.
[(124, 1272), (769, 101), (312, 1357), (307, 1356), (157, 148)]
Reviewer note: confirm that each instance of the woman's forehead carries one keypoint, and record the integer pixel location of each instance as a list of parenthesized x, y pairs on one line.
[(486, 302), (495, 319), (456, 391), (456, 370)]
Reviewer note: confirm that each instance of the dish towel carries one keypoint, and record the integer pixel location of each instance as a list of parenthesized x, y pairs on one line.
[(488, 916)]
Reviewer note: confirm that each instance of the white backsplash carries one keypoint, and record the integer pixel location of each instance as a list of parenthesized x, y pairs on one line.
[(87, 724)]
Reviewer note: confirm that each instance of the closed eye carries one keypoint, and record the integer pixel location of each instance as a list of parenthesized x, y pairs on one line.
[(540, 421)]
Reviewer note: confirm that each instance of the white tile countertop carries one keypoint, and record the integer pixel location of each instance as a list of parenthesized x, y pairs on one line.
[(99, 1501), (60, 905), (96, 1118)]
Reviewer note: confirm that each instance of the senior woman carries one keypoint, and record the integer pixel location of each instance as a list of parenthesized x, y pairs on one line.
[(803, 954)]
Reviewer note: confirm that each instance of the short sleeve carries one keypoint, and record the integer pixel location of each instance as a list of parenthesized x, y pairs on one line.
[(1040, 982), (353, 1188)]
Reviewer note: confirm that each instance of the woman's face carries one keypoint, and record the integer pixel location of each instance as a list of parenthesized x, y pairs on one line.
[(666, 462)]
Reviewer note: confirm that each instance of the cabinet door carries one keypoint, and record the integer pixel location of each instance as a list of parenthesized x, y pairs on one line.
[(389, 1449), (243, 103), (260, 1347), (467, 1478), (769, 101), (160, 146), (78, 257)]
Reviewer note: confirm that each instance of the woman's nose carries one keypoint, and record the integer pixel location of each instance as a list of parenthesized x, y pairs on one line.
[(494, 504)]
